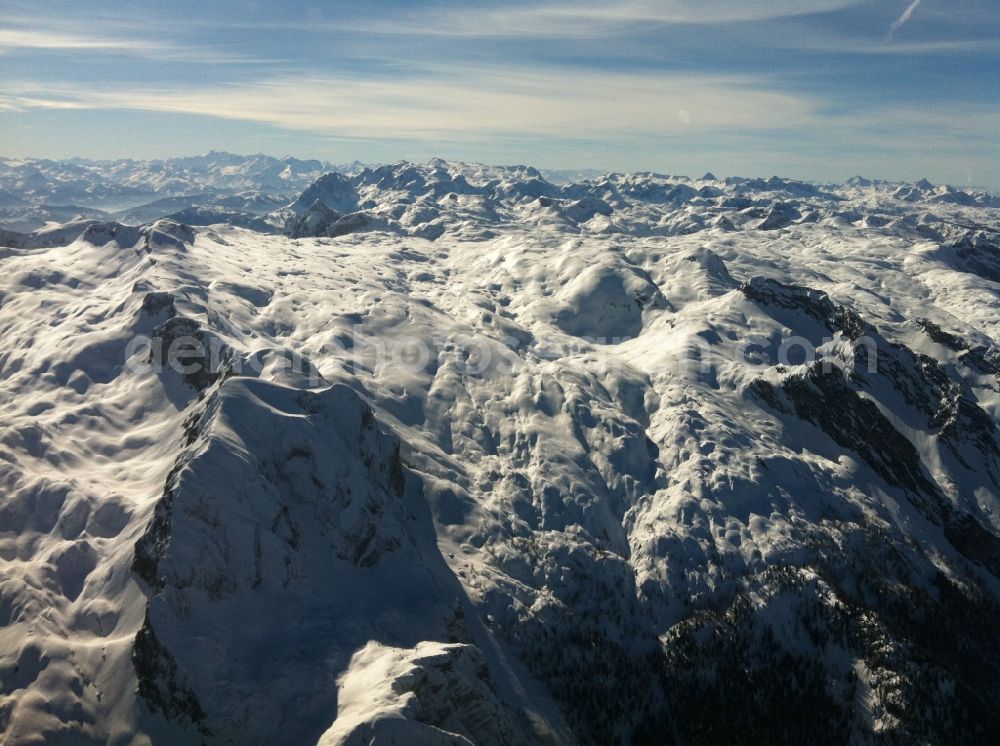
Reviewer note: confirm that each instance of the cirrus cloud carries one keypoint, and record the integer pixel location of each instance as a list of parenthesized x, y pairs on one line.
[(476, 103)]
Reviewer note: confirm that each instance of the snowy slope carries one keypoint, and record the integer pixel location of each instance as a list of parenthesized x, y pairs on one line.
[(470, 456)]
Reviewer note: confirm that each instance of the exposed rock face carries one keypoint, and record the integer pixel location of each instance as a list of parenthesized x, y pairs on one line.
[(823, 398), (320, 220), (162, 685), (315, 221), (978, 253), (814, 304), (180, 345), (781, 215), (983, 358)]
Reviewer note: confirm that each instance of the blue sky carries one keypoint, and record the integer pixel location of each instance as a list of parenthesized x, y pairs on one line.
[(818, 89)]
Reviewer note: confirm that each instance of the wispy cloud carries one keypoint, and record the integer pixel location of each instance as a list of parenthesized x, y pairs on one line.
[(130, 43), (898, 23), (23, 103), (588, 19), (916, 48), (471, 103), (38, 39)]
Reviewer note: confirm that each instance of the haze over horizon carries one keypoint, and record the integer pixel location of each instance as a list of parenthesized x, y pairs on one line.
[(815, 89)]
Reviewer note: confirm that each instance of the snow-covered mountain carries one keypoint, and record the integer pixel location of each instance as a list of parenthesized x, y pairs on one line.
[(448, 453), (34, 191)]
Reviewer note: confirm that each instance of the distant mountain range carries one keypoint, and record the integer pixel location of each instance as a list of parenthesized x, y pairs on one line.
[(34, 192)]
